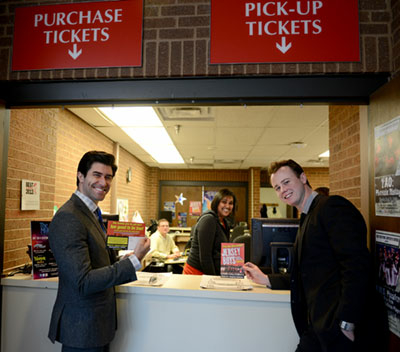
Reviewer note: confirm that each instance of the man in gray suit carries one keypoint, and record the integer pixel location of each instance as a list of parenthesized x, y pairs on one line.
[(84, 314)]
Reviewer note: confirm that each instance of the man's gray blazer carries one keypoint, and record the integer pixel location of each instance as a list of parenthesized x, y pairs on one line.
[(84, 314)]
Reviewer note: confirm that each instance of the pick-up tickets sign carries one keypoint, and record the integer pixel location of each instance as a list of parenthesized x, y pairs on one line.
[(79, 35), (245, 31)]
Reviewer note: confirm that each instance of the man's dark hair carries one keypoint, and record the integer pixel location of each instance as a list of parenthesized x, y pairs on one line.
[(296, 168), (95, 156), (219, 196)]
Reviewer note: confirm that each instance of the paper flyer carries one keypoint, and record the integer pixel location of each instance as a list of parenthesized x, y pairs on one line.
[(124, 235), (387, 168), (232, 260), (43, 263), (388, 266), (182, 219), (195, 208)]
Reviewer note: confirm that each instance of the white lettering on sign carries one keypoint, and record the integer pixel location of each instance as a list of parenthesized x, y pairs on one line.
[(74, 18), (78, 17), (283, 27)]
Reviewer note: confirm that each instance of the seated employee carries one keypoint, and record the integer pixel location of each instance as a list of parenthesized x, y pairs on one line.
[(162, 246)]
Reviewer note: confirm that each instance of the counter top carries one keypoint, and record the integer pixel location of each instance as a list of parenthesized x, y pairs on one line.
[(177, 285)]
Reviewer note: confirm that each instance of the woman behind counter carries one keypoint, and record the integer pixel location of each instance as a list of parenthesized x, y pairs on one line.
[(210, 231)]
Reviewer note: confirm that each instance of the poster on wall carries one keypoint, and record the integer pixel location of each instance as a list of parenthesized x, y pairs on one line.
[(170, 206), (195, 208), (30, 195), (387, 267), (208, 196), (387, 168), (182, 219), (43, 263), (123, 209)]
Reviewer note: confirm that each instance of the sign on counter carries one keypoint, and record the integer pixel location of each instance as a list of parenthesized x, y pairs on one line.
[(232, 260), (43, 262)]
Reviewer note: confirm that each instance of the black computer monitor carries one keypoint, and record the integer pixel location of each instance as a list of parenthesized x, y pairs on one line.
[(267, 231), (109, 217), (164, 214)]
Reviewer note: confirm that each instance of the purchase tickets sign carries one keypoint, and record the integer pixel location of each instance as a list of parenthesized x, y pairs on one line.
[(78, 35), (232, 260), (245, 31), (124, 235)]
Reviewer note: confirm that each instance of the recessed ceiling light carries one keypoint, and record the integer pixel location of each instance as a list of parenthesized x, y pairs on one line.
[(144, 126)]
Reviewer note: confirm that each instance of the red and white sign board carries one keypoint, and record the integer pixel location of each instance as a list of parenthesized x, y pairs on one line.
[(79, 35), (245, 31)]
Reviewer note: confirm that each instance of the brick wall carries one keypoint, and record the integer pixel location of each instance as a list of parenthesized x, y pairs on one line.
[(255, 193), (32, 156), (203, 175), (176, 44), (74, 138), (317, 176), (344, 145), (139, 192), (46, 145), (395, 29)]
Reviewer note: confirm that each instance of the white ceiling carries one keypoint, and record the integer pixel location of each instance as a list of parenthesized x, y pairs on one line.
[(232, 137)]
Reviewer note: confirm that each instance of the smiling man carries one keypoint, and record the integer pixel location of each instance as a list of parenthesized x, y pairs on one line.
[(331, 286), (84, 314)]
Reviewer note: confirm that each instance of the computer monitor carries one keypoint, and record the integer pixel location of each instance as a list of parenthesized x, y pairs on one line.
[(109, 217), (266, 231), (164, 214)]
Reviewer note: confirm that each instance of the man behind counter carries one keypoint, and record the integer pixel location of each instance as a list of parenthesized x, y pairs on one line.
[(84, 314), (162, 245)]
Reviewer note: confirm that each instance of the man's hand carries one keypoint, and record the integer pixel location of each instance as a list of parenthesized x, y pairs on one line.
[(254, 273), (348, 334), (142, 248), (174, 255)]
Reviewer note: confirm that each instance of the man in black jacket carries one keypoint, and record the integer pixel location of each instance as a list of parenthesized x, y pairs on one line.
[(331, 286)]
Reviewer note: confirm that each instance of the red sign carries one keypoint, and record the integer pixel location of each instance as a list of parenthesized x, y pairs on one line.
[(245, 31), (79, 35)]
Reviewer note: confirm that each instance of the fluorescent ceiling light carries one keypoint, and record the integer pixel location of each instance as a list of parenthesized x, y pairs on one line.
[(145, 128), (325, 154)]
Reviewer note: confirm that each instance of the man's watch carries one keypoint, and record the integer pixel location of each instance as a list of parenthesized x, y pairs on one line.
[(347, 326)]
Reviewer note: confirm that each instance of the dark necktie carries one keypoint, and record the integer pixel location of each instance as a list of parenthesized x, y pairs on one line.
[(302, 217), (100, 218)]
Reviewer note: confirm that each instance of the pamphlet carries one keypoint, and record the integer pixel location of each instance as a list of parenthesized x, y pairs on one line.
[(225, 284), (43, 263), (232, 260), (124, 235)]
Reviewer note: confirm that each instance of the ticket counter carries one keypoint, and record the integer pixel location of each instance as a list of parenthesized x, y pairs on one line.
[(179, 316)]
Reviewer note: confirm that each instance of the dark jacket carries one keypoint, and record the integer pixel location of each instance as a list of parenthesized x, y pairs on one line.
[(84, 314), (205, 251), (331, 279)]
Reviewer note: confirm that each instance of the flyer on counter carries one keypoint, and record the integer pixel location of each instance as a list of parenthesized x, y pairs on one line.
[(232, 260), (43, 262), (124, 235), (387, 267)]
